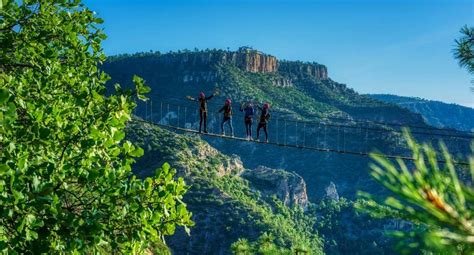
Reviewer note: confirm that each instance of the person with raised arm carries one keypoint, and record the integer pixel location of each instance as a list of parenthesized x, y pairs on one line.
[(202, 108)]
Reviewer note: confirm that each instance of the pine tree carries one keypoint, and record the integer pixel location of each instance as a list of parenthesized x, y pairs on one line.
[(430, 195)]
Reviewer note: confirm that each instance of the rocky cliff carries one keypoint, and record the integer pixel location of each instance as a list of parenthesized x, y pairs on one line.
[(288, 187), (199, 66), (247, 59), (253, 61), (304, 69)]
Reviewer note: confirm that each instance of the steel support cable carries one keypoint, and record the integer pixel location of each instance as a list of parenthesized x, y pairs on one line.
[(151, 111), (285, 134), (297, 146)]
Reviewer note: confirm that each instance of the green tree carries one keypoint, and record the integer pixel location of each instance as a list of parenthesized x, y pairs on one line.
[(66, 184), (241, 247), (432, 197), (265, 245), (464, 51)]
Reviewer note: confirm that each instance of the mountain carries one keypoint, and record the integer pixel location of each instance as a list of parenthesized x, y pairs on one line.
[(435, 113), (295, 87), (296, 91), (253, 192)]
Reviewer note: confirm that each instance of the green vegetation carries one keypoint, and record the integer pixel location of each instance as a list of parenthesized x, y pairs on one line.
[(265, 245), (291, 95), (297, 94), (218, 190), (260, 87), (432, 197), (66, 184), (464, 51)]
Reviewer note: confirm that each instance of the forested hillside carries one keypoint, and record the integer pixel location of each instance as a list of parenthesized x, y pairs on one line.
[(225, 204), (435, 113), (231, 201)]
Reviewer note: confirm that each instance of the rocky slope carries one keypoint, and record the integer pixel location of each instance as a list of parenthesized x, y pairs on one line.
[(435, 113), (290, 188), (225, 206)]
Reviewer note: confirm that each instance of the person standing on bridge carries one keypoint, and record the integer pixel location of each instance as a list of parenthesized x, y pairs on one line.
[(264, 117), (227, 109), (249, 112), (202, 109)]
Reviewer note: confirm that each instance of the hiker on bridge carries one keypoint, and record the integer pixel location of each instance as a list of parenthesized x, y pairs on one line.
[(227, 109), (264, 117), (249, 112), (202, 108)]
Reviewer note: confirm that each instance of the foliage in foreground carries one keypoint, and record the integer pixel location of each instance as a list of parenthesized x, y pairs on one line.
[(464, 51), (431, 196), (66, 184)]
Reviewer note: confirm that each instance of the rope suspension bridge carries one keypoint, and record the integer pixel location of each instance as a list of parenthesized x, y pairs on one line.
[(360, 138)]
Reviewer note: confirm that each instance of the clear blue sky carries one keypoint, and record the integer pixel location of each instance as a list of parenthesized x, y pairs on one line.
[(399, 47)]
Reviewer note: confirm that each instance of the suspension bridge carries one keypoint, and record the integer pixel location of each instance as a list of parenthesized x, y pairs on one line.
[(352, 137)]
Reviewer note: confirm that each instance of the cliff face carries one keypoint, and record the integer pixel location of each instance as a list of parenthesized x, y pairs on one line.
[(198, 67), (288, 187), (248, 60), (254, 61), (303, 69)]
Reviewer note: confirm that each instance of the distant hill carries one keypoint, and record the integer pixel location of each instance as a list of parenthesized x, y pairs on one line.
[(435, 113)]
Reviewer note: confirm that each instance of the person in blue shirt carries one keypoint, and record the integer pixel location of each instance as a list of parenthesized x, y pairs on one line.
[(249, 112)]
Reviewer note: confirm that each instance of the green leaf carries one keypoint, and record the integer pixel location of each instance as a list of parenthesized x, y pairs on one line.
[(137, 152), (4, 95)]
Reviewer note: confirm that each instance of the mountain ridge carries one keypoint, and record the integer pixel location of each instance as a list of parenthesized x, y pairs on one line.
[(436, 113)]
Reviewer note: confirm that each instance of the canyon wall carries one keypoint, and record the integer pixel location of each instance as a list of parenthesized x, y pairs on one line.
[(246, 59), (304, 69)]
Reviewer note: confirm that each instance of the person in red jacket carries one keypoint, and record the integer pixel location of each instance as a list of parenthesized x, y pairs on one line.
[(264, 117), (227, 109), (202, 109)]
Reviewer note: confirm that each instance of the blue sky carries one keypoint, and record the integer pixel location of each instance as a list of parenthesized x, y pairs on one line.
[(399, 47)]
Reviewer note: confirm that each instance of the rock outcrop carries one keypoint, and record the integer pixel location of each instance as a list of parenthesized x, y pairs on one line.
[(331, 192), (254, 61), (199, 66), (304, 69), (245, 58), (288, 187)]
